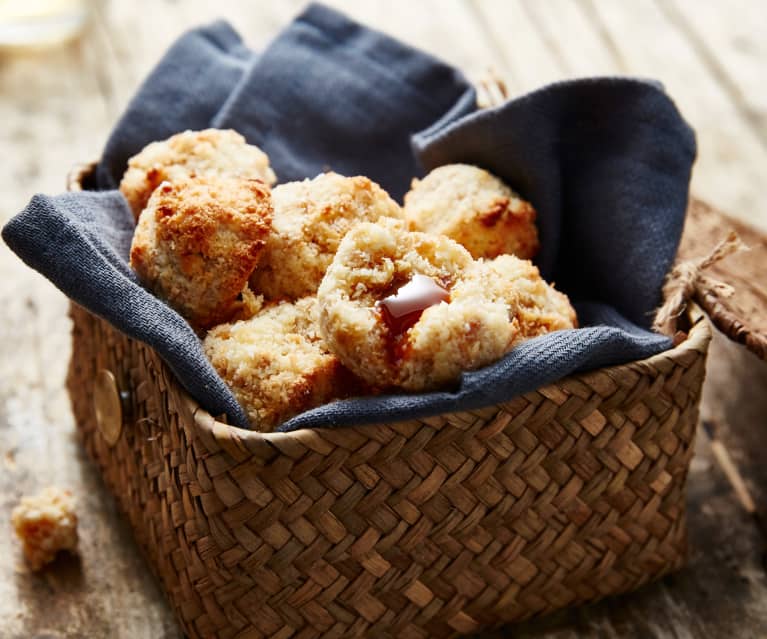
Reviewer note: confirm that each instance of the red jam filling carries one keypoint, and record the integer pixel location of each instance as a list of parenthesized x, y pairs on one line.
[(404, 308)]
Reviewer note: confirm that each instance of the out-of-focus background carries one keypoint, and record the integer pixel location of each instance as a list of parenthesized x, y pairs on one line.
[(57, 105)]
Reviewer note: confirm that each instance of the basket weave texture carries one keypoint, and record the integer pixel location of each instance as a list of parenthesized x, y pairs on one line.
[(432, 527)]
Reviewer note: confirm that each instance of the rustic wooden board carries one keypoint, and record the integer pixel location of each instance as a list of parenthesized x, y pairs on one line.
[(57, 107)]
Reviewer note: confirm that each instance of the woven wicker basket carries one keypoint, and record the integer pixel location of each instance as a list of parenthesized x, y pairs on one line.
[(425, 528)]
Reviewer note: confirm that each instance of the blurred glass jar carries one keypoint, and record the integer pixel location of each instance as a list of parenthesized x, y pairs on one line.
[(35, 23)]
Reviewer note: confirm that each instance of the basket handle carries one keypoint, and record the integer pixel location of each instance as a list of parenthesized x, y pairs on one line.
[(688, 282)]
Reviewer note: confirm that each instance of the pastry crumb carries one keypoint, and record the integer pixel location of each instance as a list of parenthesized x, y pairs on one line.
[(46, 523)]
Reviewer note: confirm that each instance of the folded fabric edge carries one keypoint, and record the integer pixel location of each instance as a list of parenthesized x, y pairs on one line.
[(221, 34), (428, 136)]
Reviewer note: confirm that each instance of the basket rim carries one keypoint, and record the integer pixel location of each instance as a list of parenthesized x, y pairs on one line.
[(234, 438)]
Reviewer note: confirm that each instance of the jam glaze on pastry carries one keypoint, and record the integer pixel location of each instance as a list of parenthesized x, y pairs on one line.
[(487, 307), (404, 308)]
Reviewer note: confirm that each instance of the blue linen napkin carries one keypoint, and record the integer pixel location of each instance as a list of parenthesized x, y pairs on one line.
[(605, 161)]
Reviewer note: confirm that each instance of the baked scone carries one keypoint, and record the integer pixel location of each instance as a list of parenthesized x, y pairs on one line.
[(208, 153), (310, 219), (198, 241), (277, 364), (414, 310), (46, 523), (537, 306), (474, 208)]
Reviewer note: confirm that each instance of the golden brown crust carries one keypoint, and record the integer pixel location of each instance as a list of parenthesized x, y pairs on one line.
[(46, 523), (277, 364), (493, 305), (310, 219), (208, 153), (537, 306), (198, 241), (474, 208)]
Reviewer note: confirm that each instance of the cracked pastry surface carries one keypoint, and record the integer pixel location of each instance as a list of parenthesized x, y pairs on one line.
[(46, 523), (277, 363), (310, 219), (207, 153), (487, 307), (537, 306), (474, 208), (197, 243)]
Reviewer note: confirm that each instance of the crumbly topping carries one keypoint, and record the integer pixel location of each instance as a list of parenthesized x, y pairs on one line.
[(46, 523)]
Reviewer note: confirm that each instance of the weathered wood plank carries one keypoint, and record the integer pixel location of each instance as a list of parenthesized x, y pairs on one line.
[(520, 51), (732, 162), (55, 112), (577, 38), (733, 46), (445, 28), (136, 43)]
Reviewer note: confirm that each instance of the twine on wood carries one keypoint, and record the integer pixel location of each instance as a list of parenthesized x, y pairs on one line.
[(687, 281), (491, 90)]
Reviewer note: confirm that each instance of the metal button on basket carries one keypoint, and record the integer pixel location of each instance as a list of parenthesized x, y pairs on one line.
[(107, 406)]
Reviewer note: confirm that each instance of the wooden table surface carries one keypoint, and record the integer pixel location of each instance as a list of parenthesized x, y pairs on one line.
[(57, 107)]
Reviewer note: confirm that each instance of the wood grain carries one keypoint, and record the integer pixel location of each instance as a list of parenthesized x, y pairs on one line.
[(732, 45), (57, 107)]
